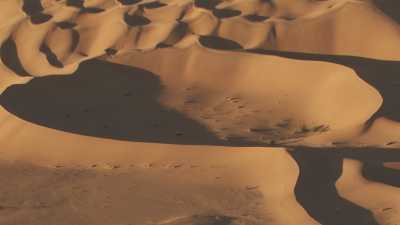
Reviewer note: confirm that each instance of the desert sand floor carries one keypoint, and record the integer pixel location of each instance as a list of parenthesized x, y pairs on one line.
[(165, 174), (181, 112)]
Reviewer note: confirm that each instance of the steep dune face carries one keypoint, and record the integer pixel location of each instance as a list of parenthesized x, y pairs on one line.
[(186, 86), (348, 37), (381, 199), (192, 78), (63, 34), (11, 15), (84, 28)]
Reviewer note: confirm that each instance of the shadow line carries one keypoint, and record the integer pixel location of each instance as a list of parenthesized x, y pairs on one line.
[(375, 171), (106, 100), (390, 8), (316, 191), (121, 102)]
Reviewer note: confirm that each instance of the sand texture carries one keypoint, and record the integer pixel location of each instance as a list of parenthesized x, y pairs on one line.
[(199, 112)]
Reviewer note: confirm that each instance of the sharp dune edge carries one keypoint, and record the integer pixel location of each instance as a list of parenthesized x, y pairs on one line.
[(181, 112)]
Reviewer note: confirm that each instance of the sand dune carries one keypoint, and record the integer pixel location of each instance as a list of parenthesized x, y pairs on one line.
[(319, 27), (83, 35), (381, 199), (292, 108), (191, 112)]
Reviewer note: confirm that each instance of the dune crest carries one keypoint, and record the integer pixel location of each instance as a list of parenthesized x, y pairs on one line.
[(66, 33), (83, 28), (199, 112), (291, 108)]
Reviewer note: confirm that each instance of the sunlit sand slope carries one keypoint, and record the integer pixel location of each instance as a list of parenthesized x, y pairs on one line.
[(195, 112)]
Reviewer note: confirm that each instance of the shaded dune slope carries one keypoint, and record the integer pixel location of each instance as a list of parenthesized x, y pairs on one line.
[(66, 33), (106, 115), (139, 111), (302, 26), (124, 107)]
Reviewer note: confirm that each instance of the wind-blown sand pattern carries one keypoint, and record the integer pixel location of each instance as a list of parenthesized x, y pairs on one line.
[(195, 112)]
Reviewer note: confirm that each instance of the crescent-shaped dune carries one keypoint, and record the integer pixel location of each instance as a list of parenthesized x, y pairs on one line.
[(314, 101), (199, 112)]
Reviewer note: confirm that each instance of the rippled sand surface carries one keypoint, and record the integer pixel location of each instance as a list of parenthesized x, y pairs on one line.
[(199, 112)]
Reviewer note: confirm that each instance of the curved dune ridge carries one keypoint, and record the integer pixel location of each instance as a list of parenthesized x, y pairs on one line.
[(199, 112), (65, 33), (184, 35)]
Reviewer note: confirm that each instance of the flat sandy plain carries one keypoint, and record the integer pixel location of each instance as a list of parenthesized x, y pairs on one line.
[(199, 112)]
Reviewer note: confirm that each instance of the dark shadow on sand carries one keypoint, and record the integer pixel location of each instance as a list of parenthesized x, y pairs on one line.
[(365, 154), (104, 100), (114, 101), (375, 171), (390, 8), (9, 56), (373, 159), (120, 102), (316, 191)]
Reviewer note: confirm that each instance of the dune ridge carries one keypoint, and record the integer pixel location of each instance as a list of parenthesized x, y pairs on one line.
[(66, 33), (195, 112)]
